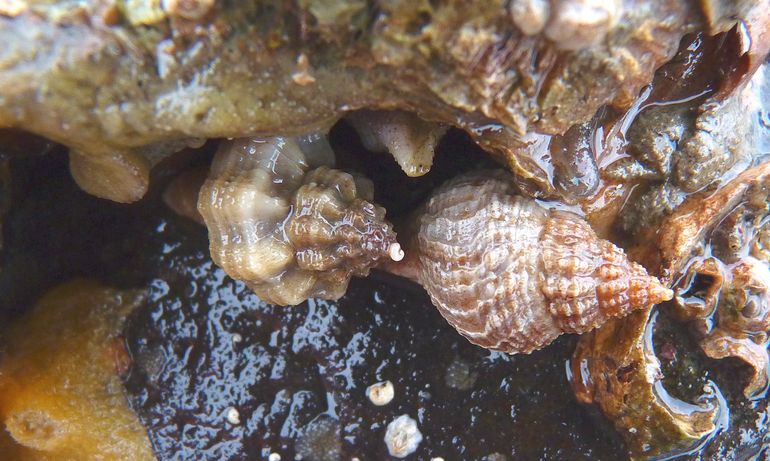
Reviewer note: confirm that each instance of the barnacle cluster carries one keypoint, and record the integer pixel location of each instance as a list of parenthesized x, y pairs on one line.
[(630, 136)]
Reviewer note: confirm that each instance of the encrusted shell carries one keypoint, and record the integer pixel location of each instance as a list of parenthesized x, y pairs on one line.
[(511, 275), (288, 233), (409, 139)]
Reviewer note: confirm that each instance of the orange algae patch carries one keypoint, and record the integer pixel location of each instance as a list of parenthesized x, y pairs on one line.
[(60, 391)]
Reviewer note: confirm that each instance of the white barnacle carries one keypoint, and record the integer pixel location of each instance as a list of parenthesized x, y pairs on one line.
[(530, 16), (380, 393), (232, 416), (192, 10), (402, 436), (575, 24)]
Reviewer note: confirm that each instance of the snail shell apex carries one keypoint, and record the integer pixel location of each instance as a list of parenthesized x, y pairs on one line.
[(511, 275), (336, 231)]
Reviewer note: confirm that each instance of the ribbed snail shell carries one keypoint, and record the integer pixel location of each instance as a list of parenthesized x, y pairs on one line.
[(289, 232), (511, 275)]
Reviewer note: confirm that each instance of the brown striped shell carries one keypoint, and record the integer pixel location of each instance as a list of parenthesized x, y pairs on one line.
[(511, 275), (288, 231)]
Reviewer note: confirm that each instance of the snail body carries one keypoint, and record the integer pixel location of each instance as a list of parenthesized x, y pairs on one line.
[(512, 275), (288, 230)]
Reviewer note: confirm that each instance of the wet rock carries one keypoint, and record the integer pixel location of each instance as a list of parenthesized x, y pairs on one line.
[(696, 142), (120, 93), (319, 440)]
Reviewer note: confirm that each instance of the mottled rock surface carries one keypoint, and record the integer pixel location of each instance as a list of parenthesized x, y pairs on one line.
[(124, 87)]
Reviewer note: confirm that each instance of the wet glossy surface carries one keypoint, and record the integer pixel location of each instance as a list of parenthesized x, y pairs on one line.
[(206, 344), (308, 367)]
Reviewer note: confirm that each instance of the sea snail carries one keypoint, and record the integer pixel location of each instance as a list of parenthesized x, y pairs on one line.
[(506, 272), (288, 230), (511, 275)]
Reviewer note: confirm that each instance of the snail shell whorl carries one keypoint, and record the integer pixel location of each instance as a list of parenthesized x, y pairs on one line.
[(511, 275), (288, 233)]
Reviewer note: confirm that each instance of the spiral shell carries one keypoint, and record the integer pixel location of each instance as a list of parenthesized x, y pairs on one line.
[(511, 275), (287, 231)]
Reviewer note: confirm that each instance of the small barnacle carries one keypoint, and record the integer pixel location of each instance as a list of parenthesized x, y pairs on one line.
[(530, 16), (143, 12), (495, 457), (576, 24), (402, 436), (303, 76), (233, 416), (187, 9), (380, 393), (12, 8), (760, 245)]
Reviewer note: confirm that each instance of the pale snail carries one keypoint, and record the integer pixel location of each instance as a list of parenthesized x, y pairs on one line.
[(288, 228), (511, 275)]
